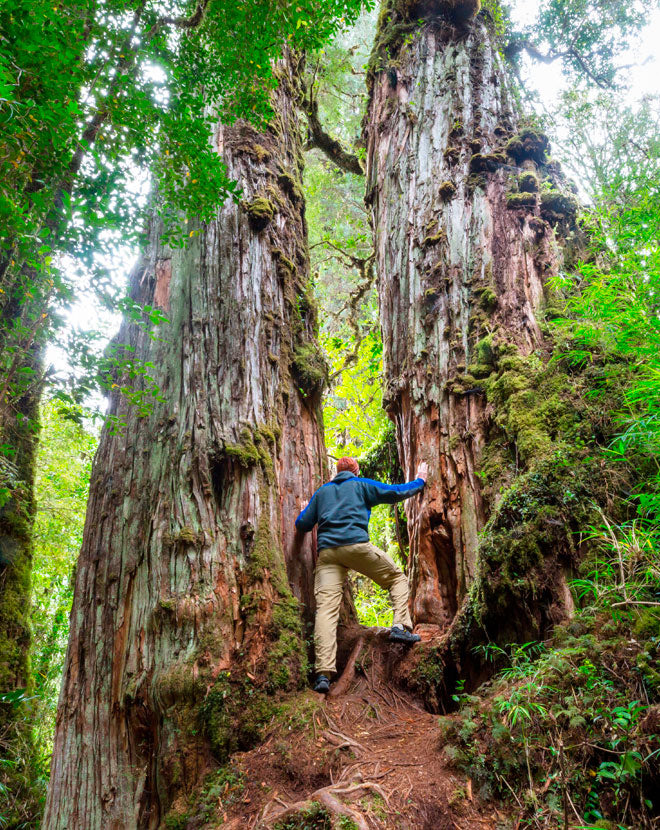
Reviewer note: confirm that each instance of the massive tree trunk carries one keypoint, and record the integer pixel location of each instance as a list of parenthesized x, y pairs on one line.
[(186, 622), (465, 245)]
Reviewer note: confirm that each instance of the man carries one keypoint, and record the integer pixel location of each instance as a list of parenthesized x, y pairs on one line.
[(342, 508)]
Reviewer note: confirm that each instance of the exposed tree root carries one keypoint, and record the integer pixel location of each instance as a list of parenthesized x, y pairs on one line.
[(328, 797), (370, 753)]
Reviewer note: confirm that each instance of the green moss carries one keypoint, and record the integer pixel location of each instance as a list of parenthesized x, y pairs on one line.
[(220, 791), (452, 155), (238, 706), (286, 265), (260, 212), (648, 665), (520, 200), (647, 624), (279, 672), (486, 162), (254, 448), (315, 817), (486, 350), (297, 713), (233, 715), (447, 191), (291, 186), (186, 535), (176, 820), (433, 238), (528, 182), (463, 384), (265, 561), (256, 151), (246, 453), (309, 368), (487, 298), (528, 144), (556, 206)]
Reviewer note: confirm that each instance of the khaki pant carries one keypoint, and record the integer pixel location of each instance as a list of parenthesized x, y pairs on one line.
[(331, 569)]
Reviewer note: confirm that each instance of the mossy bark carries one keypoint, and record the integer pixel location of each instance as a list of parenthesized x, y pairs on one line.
[(191, 587), (464, 260), (19, 423)]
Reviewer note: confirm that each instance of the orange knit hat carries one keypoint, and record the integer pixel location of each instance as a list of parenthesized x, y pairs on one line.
[(348, 463)]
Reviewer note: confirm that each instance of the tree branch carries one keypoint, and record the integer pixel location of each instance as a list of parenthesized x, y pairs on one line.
[(367, 274), (515, 47), (182, 22), (319, 138)]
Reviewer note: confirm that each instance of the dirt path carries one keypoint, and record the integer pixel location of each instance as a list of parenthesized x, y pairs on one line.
[(369, 755)]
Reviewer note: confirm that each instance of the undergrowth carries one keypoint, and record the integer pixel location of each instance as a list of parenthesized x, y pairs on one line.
[(568, 731)]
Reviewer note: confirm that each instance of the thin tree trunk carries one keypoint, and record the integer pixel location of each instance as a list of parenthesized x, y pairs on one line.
[(464, 253), (185, 627), (19, 423)]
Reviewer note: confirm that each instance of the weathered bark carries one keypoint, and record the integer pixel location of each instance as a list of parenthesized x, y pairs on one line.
[(464, 247), (184, 626)]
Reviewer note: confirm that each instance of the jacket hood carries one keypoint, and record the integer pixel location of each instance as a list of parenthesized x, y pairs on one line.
[(344, 476)]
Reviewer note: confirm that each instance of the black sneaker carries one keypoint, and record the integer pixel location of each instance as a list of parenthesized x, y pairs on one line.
[(402, 635), (322, 684)]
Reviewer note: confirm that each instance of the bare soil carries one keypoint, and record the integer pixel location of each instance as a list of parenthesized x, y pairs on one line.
[(368, 752)]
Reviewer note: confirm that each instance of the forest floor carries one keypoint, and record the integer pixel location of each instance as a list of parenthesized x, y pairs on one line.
[(367, 757)]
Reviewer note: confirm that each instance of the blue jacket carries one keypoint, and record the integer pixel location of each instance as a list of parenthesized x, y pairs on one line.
[(342, 507)]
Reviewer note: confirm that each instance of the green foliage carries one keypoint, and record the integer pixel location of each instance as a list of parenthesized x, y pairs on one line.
[(612, 306), (353, 412), (573, 718), (64, 464), (94, 98), (373, 606), (220, 791), (563, 720), (315, 817)]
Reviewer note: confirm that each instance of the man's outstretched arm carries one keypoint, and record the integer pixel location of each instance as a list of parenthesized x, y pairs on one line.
[(379, 493), (308, 517)]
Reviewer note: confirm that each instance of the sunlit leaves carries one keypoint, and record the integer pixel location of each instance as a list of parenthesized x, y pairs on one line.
[(95, 96), (614, 295)]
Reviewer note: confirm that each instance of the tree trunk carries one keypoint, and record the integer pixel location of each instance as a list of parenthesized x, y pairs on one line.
[(464, 246), (185, 627), (19, 422)]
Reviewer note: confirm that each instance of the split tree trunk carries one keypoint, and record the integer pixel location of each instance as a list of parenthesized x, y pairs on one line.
[(184, 627), (464, 247)]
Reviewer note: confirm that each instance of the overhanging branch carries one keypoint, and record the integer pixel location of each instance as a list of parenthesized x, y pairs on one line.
[(319, 138), (367, 270), (518, 45)]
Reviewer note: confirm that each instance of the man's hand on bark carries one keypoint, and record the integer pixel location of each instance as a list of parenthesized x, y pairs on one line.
[(422, 470)]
